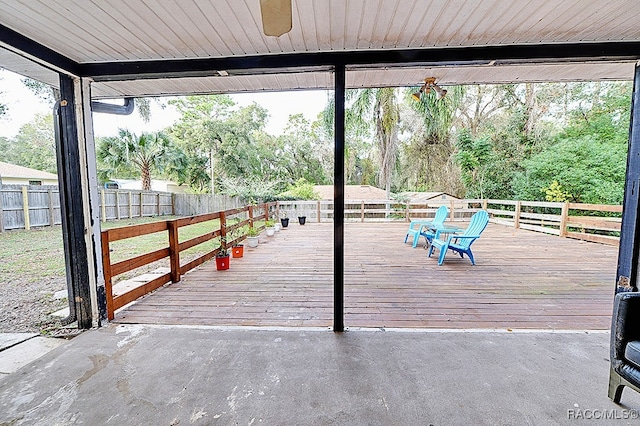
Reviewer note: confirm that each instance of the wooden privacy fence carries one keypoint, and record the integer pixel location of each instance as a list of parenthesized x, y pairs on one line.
[(249, 215), (23, 207), (591, 222)]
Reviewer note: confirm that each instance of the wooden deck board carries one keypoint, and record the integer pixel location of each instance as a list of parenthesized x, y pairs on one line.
[(521, 279)]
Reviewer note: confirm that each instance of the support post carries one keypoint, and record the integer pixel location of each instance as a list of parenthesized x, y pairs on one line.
[(250, 216), (318, 211), (72, 204), (627, 271), (338, 201), (362, 211), (406, 214), (25, 208)]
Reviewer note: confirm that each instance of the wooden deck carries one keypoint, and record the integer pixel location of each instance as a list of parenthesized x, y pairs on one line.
[(521, 280)]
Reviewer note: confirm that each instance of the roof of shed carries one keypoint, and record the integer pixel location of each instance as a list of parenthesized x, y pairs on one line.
[(132, 48), (352, 192)]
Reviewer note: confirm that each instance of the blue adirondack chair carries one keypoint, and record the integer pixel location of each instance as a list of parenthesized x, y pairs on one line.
[(461, 243), (438, 220)]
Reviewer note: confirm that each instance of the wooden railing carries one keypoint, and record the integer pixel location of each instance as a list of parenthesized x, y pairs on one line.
[(590, 222), (570, 220), (174, 248)]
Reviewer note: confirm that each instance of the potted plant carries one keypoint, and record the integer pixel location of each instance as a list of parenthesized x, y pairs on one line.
[(252, 237), (222, 257), (268, 224), (237, 249), (284, 220), (302, 219)]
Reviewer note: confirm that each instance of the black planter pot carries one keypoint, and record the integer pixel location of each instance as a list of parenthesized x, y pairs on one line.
[(302, 220), (284, 222)]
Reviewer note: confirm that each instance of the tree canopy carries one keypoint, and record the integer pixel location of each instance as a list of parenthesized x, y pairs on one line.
[(534, 141)]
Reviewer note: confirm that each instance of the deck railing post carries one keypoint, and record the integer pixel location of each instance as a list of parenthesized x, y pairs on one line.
[(362, 211), (106, 272), (266, 211), (250, 210), (277, 210), (223, 229), (174, 250), (453, 210), (318, 210), (485, 204), (516, 215), (564, 218), (407, 213)]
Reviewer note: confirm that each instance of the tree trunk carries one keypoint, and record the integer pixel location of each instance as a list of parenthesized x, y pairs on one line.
[(213, 185), (146, 177)]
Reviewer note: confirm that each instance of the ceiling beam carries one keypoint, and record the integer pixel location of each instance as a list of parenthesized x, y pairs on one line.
[(30, 49), (295, 62)]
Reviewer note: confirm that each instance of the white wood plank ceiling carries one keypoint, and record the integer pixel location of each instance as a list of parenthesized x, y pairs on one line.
[(97, 31)]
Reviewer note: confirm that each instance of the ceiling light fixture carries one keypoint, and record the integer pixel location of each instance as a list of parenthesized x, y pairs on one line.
[(429, 83)]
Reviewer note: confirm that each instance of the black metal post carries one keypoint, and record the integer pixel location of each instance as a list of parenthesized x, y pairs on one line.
[(338, 203), (627, 273), (71, 205)]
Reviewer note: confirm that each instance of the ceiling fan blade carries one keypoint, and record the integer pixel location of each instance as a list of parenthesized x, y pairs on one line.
[(276, 17)]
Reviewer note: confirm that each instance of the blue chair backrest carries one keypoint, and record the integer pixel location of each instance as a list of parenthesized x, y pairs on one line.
[(441, 215), (479, 222)]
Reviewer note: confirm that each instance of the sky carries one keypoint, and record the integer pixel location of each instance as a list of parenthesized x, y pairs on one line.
[(23, 105)]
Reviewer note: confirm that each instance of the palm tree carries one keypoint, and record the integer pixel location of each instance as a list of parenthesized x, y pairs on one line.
[(146, 153), (380, 107)]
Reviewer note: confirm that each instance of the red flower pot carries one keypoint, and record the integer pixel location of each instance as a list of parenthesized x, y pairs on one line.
[(222, 263)]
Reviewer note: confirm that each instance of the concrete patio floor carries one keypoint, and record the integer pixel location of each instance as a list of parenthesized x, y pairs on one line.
[(169, 375)]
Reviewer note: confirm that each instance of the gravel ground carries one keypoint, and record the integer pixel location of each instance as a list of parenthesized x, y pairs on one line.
[(26, 305)]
